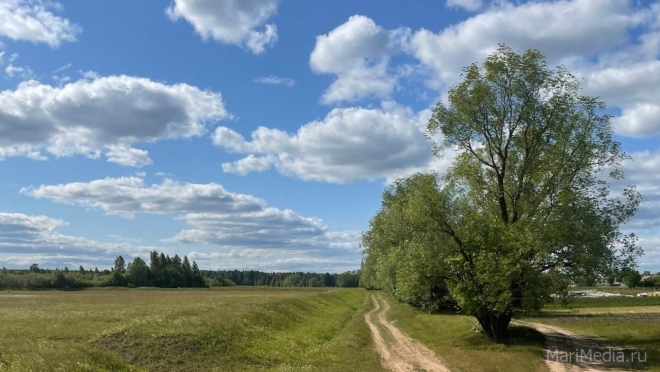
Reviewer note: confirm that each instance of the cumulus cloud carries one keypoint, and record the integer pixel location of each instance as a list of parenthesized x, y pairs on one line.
[(348, 145), (237, 22), (266, 228), (102, 116), (218, 220), (631, 85), (275, 80), (127, 196), (613, 45), (26, 239), (33, 20), (639, 120), (594, 26), (357, 52)]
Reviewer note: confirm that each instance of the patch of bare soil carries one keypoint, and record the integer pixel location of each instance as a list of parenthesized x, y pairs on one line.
[(403, 354)]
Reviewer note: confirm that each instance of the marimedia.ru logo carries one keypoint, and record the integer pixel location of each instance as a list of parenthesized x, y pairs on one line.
[(596, 356)]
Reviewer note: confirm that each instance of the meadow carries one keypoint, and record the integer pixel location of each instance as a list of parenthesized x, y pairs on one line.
[(281, 329), (227, 329)]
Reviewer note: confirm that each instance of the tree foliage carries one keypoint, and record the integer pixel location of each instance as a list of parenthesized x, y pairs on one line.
[(526, 204), (631, 278), (402, 254), (168, 272)]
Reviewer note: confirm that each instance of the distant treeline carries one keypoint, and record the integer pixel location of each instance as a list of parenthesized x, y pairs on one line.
[(165, 272), (289, 279)]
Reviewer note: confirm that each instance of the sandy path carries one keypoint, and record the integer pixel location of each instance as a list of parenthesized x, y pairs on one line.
[(565, 341), (403, 354)]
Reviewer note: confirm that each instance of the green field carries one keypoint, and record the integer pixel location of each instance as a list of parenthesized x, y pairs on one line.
[(278, 329), (237, 329)]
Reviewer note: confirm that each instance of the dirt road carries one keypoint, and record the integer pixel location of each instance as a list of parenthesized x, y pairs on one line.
[(560, 342), (398, 352)]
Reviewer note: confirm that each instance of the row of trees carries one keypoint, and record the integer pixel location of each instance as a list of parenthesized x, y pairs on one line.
[(290, 279), (165, 272), (525, 206), (628, 276)]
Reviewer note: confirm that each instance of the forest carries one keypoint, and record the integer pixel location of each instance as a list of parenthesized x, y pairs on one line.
[(164, 271)]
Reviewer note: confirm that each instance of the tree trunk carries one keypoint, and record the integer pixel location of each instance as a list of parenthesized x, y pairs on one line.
[(495, 325)]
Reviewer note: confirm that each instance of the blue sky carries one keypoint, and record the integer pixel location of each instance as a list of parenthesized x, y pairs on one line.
[(260, 134)]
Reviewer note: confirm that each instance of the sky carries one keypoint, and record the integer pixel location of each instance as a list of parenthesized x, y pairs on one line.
[(260, 134)]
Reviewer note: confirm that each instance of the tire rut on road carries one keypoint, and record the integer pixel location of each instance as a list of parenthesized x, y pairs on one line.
[(403, 354)]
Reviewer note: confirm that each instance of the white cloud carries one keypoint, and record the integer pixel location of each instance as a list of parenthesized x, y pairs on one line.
[(230, 21), (275, 80), (106, 116), (631, 85), (218, 220), (249, 164), (357, 52), (26, 239), (348, 145), (13, 70), (129, 195), (265, 228), (640, 120), (361, 82), (469, 5), (282, 260), (18, 71), (32, 20), (594, 26)]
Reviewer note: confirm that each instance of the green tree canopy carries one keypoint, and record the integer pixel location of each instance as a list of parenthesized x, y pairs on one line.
[(631, 278), (120, 264), (525, 205)]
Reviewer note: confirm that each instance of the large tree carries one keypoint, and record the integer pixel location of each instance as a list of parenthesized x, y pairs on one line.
[(526, 204)]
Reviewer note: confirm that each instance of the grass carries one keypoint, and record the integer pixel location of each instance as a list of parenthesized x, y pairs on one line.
[(451, 338), (629, 323), (186, 330), (581, 302), (290, 329)]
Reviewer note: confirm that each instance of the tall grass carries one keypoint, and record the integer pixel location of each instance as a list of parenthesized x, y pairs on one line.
[(186, 330)]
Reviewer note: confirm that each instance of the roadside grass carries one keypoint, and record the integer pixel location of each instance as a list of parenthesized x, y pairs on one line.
[(232, 329), (451, 338)]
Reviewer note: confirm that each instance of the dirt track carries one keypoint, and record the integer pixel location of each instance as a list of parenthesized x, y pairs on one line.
[(564, 341), (400, 352)]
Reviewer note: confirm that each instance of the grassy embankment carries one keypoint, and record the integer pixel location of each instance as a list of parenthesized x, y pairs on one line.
[(233, 329)]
